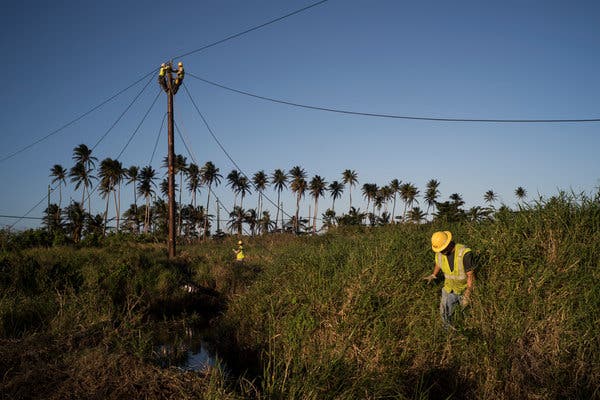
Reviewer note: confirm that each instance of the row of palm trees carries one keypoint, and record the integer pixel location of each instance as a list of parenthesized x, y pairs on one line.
[(111, 175)]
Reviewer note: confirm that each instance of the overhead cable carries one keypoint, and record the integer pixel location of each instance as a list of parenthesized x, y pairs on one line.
[(139, 125), (122, 114), (227, 153), (157, 138), (54, 132), (31, 209), (380, 115), (250, 30)]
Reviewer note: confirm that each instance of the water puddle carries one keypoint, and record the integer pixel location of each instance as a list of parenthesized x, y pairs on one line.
[(183, 347)]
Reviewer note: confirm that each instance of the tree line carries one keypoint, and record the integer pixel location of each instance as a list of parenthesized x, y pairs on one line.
[(196, 221)]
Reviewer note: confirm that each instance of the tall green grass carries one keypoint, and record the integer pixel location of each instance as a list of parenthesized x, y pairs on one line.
[(344, 315), (347, 315)]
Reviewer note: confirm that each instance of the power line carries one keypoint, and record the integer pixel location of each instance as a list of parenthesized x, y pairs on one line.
[(54, 132), (219, 202), (20, 217), (31, 209), (122, 114), (225, 151), (139, 125), (162, 124), (251, 29), (379, 115)]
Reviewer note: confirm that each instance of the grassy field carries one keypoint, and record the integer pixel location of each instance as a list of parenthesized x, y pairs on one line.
[(344, 315)]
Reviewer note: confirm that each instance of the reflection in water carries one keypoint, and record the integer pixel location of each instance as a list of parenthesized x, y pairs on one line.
[(183, 347)]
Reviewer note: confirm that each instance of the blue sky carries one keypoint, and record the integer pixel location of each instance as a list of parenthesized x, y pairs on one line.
[(466, 59)]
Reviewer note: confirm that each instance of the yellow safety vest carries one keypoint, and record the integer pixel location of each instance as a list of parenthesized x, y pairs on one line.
[(240, 254), (455, 280)]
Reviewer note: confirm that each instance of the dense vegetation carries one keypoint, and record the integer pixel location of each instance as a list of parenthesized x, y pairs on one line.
[(342, 315)]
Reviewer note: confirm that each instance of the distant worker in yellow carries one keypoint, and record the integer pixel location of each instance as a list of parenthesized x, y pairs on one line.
[(239, 252), (455, 260)]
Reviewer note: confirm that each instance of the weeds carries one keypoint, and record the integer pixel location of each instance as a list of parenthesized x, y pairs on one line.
[(339, 316)]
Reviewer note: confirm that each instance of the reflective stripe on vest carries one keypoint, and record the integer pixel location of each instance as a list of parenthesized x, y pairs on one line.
[(455, 280)]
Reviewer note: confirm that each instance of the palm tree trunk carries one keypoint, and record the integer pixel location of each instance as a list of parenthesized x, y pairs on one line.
[(117, 194), (350, 191), (206, 216), (315, 216), (147, 215), (278, 205), (106, 214), (297, 212), (134, 195)]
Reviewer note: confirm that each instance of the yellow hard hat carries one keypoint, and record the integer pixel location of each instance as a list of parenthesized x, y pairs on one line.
[(180, 64), (440, 240), (240, 242)]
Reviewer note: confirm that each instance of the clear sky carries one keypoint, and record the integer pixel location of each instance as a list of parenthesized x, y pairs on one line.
[(464, 59)]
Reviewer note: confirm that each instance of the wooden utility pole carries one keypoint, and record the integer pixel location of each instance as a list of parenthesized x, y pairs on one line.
[(170, 86)]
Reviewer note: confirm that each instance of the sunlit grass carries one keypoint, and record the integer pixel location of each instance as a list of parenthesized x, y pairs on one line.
[(344, 315)]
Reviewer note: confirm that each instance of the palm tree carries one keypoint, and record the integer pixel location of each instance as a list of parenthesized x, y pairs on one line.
[(83, 155), (75, 216), (194, 180), (265, 224), (520, 193), (490, 197), (335, 190), (369, 191), (260, 181), (243, 189), (408, 194), (236, 219), (117, 173), (164, 188), (350, 178), (298, 187), (317, 189), (457, 199), (210, 175), (94, 225), (105, 186), (145, 188), (416, 215), (432, 193), (81, 176), (279, 180), (395, 189), (133, 174), (52, 219), (477, 214), (111, 175), (233, 181), (384, 194), (60, 177), (251, 218), (132, 218)]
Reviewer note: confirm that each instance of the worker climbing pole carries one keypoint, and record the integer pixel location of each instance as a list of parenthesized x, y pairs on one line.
[(171, 85)]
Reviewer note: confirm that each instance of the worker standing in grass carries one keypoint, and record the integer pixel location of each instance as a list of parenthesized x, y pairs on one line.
[(239, 252), (455, 260)]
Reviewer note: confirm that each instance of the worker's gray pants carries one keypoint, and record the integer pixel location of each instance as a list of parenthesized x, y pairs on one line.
[(448, 303)]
